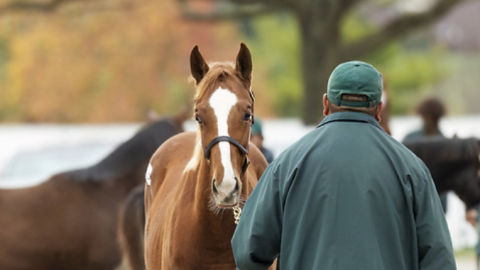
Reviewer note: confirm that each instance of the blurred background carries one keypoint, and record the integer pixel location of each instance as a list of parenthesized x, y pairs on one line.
[(78, 77), (70, 61)]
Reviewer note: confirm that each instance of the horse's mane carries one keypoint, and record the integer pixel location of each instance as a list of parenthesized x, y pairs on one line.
[(131, 156)]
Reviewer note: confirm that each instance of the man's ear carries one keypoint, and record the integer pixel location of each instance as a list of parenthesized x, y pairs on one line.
[(198, 66), (379, 112), (326, 110)]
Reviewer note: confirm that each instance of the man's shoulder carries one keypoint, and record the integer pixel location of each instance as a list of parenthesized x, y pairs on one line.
[(408, 161), (304, 142), (298, 149)]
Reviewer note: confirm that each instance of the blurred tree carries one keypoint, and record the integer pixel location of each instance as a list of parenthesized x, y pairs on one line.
[(320, 22), (410, 72), (274, 42)]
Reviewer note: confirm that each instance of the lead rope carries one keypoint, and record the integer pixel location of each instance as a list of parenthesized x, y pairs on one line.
[(237, 213)]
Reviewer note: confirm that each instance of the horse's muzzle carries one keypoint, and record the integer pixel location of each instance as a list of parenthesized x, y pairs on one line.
[(226, 197)]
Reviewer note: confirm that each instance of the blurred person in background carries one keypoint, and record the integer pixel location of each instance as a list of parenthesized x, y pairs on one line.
[(474, 219), (431, 111), (257, 139)]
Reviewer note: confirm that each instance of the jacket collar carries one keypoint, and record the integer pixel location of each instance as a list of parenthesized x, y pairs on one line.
[(350, 117)]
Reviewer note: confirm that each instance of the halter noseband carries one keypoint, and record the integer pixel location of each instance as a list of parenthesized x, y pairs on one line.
[(208, 150)]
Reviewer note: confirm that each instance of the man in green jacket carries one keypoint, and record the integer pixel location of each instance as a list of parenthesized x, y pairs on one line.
[(347, 195)]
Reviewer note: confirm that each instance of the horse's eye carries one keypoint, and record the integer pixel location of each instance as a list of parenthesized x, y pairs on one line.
[(247, 117), (198, 119)]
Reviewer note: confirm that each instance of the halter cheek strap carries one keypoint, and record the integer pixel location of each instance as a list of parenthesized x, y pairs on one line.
[(252, 96), (208, 150)]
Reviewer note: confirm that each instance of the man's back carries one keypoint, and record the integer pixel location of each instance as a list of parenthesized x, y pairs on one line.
[(351, 197)]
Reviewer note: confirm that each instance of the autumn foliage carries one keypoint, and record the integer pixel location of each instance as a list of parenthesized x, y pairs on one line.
[(103, 63)]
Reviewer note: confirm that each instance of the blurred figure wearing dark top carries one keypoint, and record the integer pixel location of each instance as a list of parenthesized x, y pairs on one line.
[(257, 139), (431, 110)]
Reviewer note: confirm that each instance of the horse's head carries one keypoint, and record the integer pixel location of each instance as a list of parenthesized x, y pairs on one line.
[(224, 112)]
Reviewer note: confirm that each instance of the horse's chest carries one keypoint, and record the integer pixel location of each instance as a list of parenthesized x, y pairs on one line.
[(182, 244), (192, 257)]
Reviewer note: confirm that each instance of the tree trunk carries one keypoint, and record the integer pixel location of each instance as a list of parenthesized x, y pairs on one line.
[(320, 55)]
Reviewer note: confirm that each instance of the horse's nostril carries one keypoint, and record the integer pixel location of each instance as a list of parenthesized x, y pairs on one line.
[(237, 187), (214, 187)]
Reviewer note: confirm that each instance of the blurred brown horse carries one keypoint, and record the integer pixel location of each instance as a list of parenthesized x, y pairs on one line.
[(197, 178), (131, 231), (69, 222), (453, 163)]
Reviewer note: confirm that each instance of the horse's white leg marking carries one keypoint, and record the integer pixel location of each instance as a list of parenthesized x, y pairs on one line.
[(148, 174), (222, 102)]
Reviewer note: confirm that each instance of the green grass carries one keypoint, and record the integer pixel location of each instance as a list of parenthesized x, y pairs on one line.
[(464, 253)]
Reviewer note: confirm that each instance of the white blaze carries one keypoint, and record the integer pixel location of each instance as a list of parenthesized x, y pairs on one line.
[(148, 174), (222, 102)]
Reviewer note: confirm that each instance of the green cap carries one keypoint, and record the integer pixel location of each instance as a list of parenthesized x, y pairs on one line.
[(256, 127), (356, 78)]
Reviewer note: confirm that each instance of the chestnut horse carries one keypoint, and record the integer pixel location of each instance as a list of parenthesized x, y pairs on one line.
[(69, 222), (195, 179)]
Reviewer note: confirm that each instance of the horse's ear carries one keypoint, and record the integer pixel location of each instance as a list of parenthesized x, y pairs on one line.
[(198, 66), (244, 63), (151, 116)]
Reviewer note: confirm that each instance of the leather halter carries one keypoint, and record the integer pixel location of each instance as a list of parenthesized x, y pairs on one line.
[(208, 150)]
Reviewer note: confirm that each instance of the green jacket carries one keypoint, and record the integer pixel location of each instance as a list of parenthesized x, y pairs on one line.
[(345, 196)]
